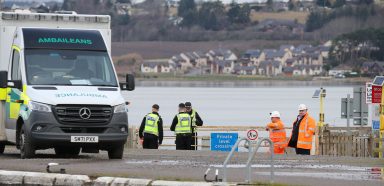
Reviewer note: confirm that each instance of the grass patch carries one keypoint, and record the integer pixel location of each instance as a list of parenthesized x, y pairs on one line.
[(301, 17)]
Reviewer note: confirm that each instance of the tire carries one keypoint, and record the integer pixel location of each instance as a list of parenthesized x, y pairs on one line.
[(67, 151), (27, 150), (116, 153), (2, 147)]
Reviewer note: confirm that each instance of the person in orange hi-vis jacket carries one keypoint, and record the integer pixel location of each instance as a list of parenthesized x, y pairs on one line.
[(302, 132), (277, 133)]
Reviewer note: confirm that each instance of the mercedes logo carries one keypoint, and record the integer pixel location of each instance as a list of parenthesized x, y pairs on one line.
[(85, 113)]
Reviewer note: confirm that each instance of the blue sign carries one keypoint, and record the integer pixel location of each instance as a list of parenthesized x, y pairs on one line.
[(375, 125), (223, 141)]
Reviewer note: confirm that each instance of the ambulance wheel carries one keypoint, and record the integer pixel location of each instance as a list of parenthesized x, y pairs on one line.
[(2, 147), (27, 150), (116, 153)]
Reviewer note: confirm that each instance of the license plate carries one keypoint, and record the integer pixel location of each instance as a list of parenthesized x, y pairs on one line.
[(84, 139)]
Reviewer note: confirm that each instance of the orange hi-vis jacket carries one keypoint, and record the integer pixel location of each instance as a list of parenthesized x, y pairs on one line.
[(306, 132), (278, 136)]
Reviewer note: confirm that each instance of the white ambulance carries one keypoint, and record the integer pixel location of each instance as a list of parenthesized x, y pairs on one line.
[(58, 85)]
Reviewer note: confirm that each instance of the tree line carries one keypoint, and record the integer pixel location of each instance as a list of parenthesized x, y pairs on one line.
[(318, 18), (212, 15), (361, 45)]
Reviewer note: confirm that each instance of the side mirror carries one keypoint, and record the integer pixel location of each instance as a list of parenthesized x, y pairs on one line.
[(15, 84), (129, 83), (3, 79)]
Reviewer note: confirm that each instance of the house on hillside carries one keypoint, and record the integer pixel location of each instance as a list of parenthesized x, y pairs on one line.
[(324, 50), (181, 62), (222, 67), (341, 69), (156, 66), (279, 25), (254, 56), (373, 68), (270, 68), (221, 54), (277, 55), (287, 47), (245, 70), (307, 70), (309, 59), (201, 58), (288, 71), (301, 49)]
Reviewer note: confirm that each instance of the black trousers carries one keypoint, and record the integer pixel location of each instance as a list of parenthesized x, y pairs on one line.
[(150, 141), (303, 151), (183, 141), (194, 141)]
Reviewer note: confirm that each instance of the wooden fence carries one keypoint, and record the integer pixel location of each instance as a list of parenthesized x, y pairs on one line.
[(336, 141), (376, 144)]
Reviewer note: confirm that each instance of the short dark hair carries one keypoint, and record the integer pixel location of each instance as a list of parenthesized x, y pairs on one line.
[(155, 106), (181, 105), (188, 104)]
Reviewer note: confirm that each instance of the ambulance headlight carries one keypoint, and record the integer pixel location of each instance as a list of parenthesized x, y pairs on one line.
[(34, 106), (120, 108)]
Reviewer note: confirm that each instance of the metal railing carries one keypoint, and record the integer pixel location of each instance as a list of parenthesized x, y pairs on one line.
[(250, 158), (251, 154), (230, 155)]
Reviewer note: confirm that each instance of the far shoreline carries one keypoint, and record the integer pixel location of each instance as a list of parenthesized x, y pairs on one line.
[(159, 82)]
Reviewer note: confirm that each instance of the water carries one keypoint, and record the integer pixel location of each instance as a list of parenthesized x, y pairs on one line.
[(236, 106)]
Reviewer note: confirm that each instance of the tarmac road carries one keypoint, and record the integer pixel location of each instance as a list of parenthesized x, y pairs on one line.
[(191, 166)]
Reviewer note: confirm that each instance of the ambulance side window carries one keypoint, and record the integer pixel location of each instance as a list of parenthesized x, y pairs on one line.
[(16, 73)]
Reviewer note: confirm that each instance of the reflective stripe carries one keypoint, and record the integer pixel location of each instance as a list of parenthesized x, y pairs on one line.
[(301, 130), (306, 123), (3, 94), (280, 137), (280, 143), (311, 129), (24, 95), (193, 117), (304, 142), (14, 106), (280, 130), (184, 123), (16, 48), (151, 124), (8, 97)]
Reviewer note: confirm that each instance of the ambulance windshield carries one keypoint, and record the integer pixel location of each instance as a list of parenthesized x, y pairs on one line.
[(69, 67)]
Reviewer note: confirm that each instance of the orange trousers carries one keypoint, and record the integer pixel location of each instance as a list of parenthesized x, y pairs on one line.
[(278, 149)]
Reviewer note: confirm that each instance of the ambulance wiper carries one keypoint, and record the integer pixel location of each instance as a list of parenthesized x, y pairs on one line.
[(104, 85), (60, 84)]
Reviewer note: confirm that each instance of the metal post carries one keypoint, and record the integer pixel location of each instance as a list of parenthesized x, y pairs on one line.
[(321, 117), (362, 102), (250, 154), (348, 126), (230, 156), (348, 113), (250, 159)]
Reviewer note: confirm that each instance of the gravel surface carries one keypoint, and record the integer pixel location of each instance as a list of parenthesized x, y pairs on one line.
[(191, 166)]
